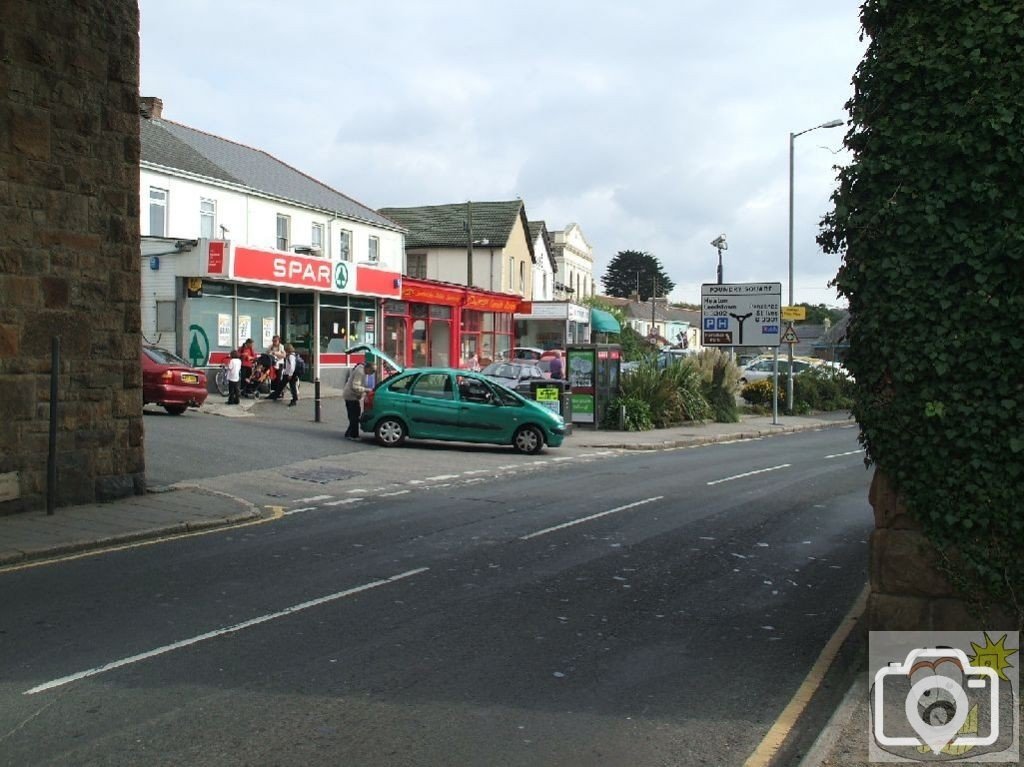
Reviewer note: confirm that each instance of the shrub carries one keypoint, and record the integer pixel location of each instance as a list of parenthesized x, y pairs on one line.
[(672, 395), (719, 381), (637, 414), (814, 389)]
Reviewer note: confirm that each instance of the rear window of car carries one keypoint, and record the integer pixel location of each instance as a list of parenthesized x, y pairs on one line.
[(164, 357), (399, 385)]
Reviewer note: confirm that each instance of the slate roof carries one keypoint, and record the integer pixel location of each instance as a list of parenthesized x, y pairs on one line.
[(172, 145), (538, 228), (444, 226)]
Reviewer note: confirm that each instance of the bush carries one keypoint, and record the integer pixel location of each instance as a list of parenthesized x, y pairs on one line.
[(637, 414), (820, 389), (720, 379), (672, 395)]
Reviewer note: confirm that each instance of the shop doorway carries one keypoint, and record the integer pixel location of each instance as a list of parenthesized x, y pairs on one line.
[(297, 325)]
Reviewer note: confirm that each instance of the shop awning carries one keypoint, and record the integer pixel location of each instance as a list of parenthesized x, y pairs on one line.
[(603, 322)]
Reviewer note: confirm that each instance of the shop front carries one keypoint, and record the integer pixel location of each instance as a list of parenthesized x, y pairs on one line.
[(446, 325), (553, 325), (228, 294)]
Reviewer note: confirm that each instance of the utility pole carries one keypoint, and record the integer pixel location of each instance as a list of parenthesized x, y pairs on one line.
[(654, 295), (469, 244)]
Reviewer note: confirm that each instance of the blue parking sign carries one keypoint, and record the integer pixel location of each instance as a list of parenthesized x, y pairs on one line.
[(723, 323), (709, 323)]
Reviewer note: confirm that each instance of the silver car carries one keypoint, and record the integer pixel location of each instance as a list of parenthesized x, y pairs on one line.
[(760, 370)]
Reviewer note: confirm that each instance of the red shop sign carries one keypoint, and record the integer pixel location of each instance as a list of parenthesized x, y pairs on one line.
[(215, 258), (288, 269)]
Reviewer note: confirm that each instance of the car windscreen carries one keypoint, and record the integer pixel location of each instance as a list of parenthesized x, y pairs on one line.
[(164, 357), (501, 370)]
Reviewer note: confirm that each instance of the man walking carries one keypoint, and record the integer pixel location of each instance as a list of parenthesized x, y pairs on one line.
[(353, 392)]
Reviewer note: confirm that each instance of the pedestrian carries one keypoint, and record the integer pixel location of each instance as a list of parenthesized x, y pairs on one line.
[(353, 392), (248, 356), (556, 366), (289, 376), (276, 350), (234, 368)]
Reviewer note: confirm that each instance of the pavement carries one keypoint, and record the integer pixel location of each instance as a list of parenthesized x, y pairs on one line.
[(31, 538)]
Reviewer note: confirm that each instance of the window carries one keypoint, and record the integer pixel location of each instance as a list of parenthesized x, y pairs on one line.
[(522, 277), (374, 249), (416, 265), (345, 246), (317, 237), (157, 212), (434, 385), (284, 225), (207, 217), (511, 273)]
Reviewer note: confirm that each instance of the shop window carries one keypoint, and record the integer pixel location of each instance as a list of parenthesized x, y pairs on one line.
[(284, 231), (440, 312), (157, 212), (207, 217), (334, 329), (440, 343), (420, 348), (472, 321), (394, 338)]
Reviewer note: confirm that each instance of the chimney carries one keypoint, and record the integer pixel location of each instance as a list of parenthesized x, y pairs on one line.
[(151, 107)]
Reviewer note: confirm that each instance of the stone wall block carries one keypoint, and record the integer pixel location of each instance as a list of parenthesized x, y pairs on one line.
[(906, 563), (887, 612)]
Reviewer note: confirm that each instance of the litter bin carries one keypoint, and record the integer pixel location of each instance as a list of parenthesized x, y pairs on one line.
[(555, 396)]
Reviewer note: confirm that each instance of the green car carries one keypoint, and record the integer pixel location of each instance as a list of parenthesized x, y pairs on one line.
[(454, 405)]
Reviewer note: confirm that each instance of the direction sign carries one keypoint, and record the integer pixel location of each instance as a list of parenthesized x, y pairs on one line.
[(741, 314), (790, 313)]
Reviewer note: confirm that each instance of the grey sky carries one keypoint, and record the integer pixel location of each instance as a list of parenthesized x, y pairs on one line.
[(655, 126)]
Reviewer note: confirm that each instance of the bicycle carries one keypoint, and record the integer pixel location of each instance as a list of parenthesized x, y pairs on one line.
[(220, 380)]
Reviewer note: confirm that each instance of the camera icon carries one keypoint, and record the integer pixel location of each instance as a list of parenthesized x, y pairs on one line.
[(935, 703)]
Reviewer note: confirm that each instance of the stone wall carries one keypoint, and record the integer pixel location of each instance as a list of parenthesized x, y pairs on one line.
[(69, 248), (908, 590)]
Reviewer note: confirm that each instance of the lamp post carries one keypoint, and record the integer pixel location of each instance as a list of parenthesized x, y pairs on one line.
[(720, 243), (792, 137)]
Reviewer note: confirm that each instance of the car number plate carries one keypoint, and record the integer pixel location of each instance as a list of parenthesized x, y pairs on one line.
[(189, 378)]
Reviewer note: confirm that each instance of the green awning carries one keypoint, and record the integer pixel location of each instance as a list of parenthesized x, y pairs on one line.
[(603, 322)]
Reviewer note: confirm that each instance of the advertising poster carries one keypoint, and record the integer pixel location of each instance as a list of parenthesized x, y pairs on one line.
[(244, 328), (268, 332), (580, 370), (224, 330)]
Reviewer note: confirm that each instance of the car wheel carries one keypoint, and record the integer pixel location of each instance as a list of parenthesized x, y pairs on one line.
[(528, 440), (175, 409), (390, 432)]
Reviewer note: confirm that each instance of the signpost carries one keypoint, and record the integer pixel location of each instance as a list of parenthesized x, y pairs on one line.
[(741, 314)]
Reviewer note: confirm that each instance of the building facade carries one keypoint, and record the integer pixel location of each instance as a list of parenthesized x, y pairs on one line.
[(575, 264), (237, 244)]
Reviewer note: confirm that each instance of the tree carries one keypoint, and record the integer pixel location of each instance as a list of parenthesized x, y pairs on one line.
[(928, 220), (635, 270), (816, 315)]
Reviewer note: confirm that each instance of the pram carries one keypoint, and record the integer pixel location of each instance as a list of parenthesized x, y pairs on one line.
[(261, 379)]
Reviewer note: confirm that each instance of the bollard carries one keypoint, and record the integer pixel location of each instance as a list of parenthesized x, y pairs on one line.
[(316, 400)]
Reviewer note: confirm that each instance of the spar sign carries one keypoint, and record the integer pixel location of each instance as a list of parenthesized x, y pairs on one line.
[(281, 268), (741, 314)]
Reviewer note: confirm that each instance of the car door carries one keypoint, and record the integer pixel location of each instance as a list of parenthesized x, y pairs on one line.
[(432, 410), (484, 415)]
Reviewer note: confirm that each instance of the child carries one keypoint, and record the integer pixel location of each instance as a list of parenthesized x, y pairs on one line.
[(234, 367)]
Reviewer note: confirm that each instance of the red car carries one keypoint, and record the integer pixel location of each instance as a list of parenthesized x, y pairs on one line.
[(169, 381)]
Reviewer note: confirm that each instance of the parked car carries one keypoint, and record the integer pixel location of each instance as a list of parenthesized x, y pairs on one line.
[(516, 374), (170, 381), (455, 405), (521, 353), (761, 369)]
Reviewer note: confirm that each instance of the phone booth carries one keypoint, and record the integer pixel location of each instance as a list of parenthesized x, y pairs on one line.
[(593, 374)]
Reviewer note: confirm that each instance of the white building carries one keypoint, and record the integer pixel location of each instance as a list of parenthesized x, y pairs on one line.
[(237, 244), (544, 268), (575, 264)]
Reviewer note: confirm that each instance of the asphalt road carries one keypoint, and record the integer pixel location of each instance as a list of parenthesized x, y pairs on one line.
[(619, 609)]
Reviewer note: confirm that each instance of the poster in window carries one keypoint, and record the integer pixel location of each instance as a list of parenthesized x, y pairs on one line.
[(244, 328), (268, 332), (223, 330)]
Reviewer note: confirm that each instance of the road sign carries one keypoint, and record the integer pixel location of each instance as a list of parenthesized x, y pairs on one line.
[(741, 314), (790, 313), (789, 337)]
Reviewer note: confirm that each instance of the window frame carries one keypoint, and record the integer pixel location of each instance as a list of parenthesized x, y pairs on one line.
[(207, 215), (162, 205), (282, 243), (345, 245), (316, 236), (373, 249)]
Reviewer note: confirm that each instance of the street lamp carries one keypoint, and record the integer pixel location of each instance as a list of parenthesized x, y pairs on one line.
[(720, 243), (792, 137)]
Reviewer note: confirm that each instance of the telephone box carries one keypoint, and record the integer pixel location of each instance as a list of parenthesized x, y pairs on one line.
[(593, 374)]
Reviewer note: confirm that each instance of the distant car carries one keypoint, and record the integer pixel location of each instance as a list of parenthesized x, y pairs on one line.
[(455, 405), (516, 374), (761, 370), (668, 357), (170, 381), (521, 353)]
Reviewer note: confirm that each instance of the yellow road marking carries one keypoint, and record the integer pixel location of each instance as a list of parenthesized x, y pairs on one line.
[(779, 731)]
